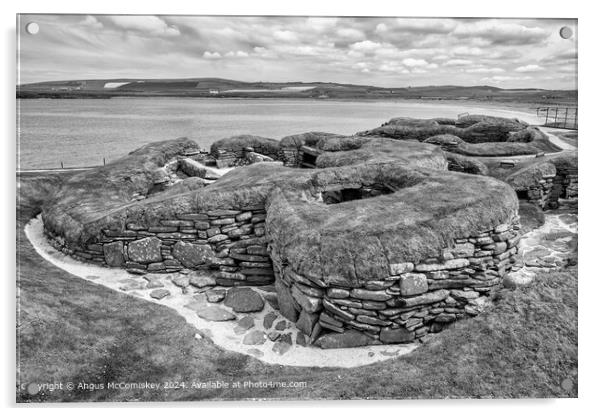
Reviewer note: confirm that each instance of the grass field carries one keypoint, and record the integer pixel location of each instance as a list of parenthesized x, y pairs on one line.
[(69, 330)]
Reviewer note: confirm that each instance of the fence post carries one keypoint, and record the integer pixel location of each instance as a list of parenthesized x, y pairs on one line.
[(547, 114)]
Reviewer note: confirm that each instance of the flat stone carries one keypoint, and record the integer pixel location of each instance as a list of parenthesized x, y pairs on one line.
[(269, 319), (335, 293), (193, 255), (284, 343), (113, 253), (308, 303), (215, 295), (244, 299), (273, 336), (426, 298), (463, 250), (159, 293), (154, 267), (286, 302), (449, 264), (146, 250), (411, 284), (445, 317), (466, 295), (347, 339), (196, 305), (396, 336), (399, 268), (272, 299), (306, 322), (280, 326), (181, 281), (301, 340), (244, 324), (377, 295), (256, 337), (200, 280), (155, 283), (215, 313)]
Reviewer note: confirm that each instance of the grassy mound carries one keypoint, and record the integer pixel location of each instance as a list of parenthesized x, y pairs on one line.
[(464, 164), (378, 150), (87, 196), (479, 135), (237, 144), (529, 171), (428, 210), (305, 139)]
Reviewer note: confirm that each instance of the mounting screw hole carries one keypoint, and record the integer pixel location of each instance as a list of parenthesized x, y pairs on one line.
[(566, 32), (32, 28)]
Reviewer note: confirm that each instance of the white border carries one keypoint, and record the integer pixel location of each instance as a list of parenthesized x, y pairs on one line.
[(589, 285)]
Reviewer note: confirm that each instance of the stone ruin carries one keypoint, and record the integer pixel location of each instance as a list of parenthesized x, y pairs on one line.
[(367, 239)]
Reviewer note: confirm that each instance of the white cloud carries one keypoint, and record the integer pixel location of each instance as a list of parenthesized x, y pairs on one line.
[(529, 68), (365, 46), (411, 62), (285, 36), (504, 78), (426, 25), (237, 54), (92, 22), (211, 55), (148, 24), (484, 70), (458, 62), (501, 32), (468, 51), (381, 28), (350, 34)]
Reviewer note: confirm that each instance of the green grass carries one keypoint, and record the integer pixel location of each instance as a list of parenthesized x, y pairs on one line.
[(72, 330)]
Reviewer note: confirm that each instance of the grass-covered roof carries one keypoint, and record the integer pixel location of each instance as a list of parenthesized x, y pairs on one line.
[(341, 243)]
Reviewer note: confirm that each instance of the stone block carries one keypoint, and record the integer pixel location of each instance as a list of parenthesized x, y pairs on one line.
[(307, 303), (193, 255), (306, 322), (146, 250), (399, 268), (411, 284), (113, 254)]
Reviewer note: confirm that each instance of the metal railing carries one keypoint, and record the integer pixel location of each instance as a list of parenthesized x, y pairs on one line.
[(559, 117)]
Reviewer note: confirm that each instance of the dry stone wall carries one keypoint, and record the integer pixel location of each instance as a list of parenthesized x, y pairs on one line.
[(231, 242), (241, 150), (565, 185), (426, 271), (411, 301)]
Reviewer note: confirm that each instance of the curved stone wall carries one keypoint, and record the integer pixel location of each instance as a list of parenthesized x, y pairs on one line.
[(380, 244)]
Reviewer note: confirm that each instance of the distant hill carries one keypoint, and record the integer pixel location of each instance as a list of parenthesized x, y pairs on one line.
[(218, 87)]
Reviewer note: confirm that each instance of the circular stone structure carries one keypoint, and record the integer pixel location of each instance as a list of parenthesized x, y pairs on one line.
[(378, 244)]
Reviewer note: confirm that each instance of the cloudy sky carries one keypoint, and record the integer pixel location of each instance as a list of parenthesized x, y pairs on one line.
[(393, 52)]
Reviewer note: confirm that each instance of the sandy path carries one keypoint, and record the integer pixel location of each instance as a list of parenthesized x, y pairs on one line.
[(221, 333), (546, 248)]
